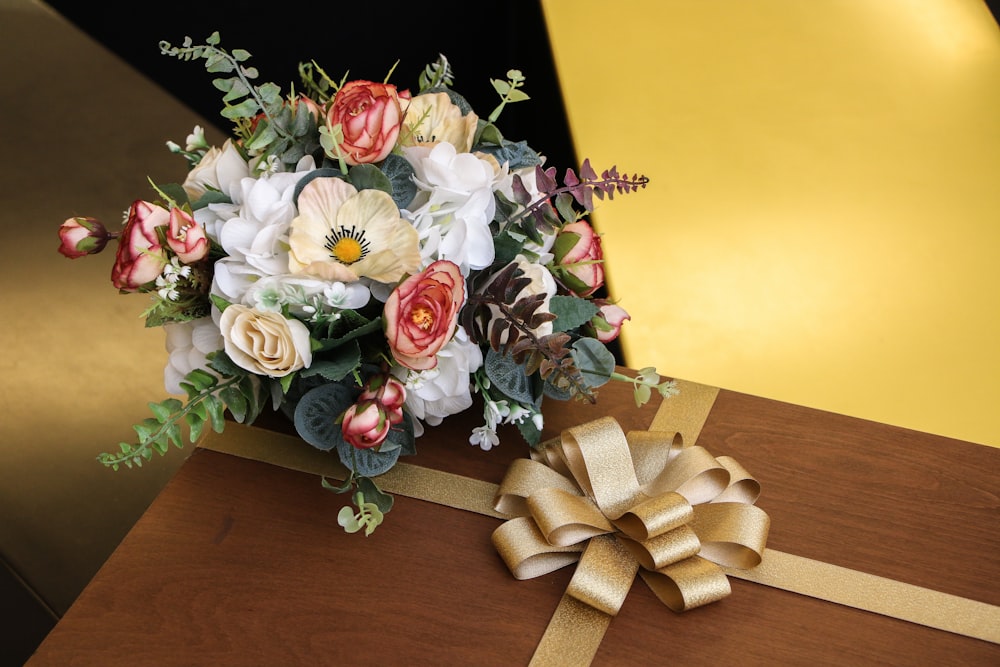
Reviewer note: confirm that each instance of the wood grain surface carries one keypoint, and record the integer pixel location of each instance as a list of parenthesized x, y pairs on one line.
[(239, 562)]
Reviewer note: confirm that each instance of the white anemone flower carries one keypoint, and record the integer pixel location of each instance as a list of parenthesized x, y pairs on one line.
[(342, 234)]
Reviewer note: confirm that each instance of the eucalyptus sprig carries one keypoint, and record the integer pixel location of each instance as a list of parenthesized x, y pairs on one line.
[(509, 91), (265, 122)]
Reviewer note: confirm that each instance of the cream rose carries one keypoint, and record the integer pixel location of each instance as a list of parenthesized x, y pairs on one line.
[(265, 343)]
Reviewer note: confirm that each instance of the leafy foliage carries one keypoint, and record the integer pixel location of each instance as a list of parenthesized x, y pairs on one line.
[(265, 122), (207, 400)]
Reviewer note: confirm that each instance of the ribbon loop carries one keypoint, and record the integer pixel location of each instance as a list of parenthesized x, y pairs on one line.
[(565, 518), (691, 583), (655, 516), (524, 549)]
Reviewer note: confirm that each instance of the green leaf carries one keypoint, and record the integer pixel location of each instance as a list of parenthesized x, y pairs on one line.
[(246, 109), (339, 364), (369, 177), (571, 312), (508, 377), (373, 494), (236, 402), (195, 426), (593, 360), (216, 412)]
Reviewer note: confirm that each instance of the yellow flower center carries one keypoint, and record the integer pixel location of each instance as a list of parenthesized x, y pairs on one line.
[(422, 317), (346, 245)]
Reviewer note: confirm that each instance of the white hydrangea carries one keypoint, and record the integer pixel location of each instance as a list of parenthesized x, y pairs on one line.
[(256, 238), (188, 344), (444, 390), (454, 205)]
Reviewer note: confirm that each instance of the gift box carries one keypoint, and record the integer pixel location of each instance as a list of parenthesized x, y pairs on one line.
[(882, 549)]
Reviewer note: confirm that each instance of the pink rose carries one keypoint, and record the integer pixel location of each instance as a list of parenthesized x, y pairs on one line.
[(580, 258), (79, 237), (421, 314), (607, 324), (186, 237), (365, 425), (370, 116), (140, 257)]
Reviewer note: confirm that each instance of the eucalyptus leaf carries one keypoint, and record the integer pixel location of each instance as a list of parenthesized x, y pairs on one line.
[(595, 362), (369, 177), (317, 412), (399, 172), (508, 377)]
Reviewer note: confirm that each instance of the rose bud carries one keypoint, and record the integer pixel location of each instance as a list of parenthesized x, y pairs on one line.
[(370, 116), (388, 392), (140, 257), (82, 236), (365, 425), (579, 258), (186, 237), (607, 323)]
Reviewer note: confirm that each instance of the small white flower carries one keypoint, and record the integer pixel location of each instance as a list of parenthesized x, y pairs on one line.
[(485, 437)]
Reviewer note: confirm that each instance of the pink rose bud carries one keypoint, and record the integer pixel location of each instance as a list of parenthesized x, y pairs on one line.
[(186, 237), (579, 258), (365, 425), (370, 116), (82, 236), (607, 324), (140, 257), (389, 393)]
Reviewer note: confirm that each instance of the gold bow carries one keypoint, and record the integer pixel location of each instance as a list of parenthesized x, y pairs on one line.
[(620, 504)]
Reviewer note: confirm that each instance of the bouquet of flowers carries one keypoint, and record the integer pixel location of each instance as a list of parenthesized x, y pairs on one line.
[(364, 259)]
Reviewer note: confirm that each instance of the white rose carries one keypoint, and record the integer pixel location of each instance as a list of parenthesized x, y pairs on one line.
[(219, 169), (265, 343)]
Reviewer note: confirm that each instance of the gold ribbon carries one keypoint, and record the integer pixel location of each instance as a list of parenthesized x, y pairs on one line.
[(687, 414), (620, 504)]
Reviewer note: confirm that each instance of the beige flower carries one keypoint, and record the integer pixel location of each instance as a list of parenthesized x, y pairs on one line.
[(432, 118), (342, 234), (265, 343)]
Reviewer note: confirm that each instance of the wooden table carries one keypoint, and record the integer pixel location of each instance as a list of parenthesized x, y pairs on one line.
[(242, 562)]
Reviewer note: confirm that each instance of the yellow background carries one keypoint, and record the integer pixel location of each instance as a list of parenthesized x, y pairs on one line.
[(821, 225)]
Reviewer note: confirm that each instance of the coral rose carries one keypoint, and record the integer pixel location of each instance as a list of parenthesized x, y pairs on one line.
[(265, 343), (421, 314), (370, 116), (140, 257)]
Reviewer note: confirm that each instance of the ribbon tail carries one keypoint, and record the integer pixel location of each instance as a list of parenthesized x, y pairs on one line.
[(595, 594), (573, 635)]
